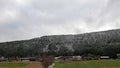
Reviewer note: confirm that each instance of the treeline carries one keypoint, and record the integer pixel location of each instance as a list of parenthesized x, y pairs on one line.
[(97, 43)]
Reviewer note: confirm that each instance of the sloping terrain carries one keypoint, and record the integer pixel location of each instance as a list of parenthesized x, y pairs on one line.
[(98, 43)]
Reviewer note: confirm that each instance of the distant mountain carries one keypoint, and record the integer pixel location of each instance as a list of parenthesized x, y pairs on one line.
[(97, 43)]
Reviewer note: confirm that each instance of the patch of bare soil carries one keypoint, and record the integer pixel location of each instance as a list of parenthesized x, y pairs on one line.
[(34, 65)]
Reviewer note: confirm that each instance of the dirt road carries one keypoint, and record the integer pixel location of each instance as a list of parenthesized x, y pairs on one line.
[(34, 65)]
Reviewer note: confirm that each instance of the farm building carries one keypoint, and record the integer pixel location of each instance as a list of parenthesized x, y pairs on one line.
[(25, 59), (68, 58), (118, 56), (77, 58), (104, 57), (3, 59)]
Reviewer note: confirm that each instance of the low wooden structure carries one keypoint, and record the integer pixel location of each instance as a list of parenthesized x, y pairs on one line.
[(25, 59), (104, 57), (118, 56)]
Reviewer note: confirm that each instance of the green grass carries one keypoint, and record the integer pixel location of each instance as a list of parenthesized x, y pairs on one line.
[(89, 64), (13, 64)]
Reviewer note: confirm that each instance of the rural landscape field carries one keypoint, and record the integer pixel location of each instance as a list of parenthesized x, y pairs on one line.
[(78, 64), (90, 64), (59, 33)]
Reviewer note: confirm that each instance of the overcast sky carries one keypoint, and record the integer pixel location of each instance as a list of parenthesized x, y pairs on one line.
[(25, 19)]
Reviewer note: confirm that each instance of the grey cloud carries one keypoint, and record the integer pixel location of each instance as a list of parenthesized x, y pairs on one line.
[(23, 19), (110, 16)]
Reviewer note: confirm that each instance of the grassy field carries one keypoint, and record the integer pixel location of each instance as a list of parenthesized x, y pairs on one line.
[(90, 64), (80, 64), (13, 64)]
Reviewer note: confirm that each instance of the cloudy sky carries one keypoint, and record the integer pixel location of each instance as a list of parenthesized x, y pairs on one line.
[(25, 19)]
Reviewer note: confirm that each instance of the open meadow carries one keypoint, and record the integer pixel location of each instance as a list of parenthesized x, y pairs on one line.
[(89, 64), (78, 64)]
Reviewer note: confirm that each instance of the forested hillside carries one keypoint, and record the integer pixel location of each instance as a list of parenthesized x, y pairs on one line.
[(97, 43)]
